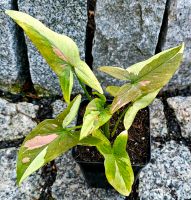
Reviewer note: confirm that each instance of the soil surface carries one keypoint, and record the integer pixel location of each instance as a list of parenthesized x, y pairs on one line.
[(138, 145)]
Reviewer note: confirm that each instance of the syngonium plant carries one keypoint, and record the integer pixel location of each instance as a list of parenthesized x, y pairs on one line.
[(53, 137)]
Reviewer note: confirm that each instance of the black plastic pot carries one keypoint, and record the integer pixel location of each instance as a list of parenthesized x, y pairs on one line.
[(94, 172)]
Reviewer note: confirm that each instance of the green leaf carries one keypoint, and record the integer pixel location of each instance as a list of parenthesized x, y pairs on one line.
[(137, 105), (95, 116), (36, 164), (85, 74), (116, 72), (113, 90), (57, 49), (150, 75), (47, 141), (60, 51), (117, 164), (160, 68), (125, 95), (72, 111), (66, 83)]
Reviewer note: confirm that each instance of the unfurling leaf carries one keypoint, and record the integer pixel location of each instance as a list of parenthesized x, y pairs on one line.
[(126, 94), (95, 116), (117, 164)]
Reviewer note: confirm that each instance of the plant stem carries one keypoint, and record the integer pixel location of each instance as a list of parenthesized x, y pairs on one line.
[(117, 123), (84, 88), (75, 127), (106, 130)]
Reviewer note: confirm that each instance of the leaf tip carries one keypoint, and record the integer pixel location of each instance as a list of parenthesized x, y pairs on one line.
[(182, 47), (8, 12)]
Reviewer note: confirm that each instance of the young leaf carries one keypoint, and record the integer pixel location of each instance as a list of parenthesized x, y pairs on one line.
[(116, 72), (139, 104), (95, 116), (72, 111), (117, 164), (85, 74), (113, 90), (126, 94)]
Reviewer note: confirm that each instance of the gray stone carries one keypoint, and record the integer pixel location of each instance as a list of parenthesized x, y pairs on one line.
[(58, 106), (168, 176), (126, 32), (71, 185), (158, 126), (178, 31), (182, 108), (10, 65), (64, 17), (16, 120), (30, 188)]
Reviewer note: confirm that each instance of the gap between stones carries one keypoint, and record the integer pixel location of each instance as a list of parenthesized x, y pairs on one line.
[(90, 31), (21, 44), (164, 28), (173, 126)]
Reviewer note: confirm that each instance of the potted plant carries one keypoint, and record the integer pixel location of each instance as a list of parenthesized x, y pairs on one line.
[(53, 137)]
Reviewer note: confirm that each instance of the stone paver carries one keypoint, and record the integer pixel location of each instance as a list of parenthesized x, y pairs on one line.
[(126, 32), (178, 31), (182, 108), (29, 189), (10, 63), (168, 176), (158, 127), (16, 120)]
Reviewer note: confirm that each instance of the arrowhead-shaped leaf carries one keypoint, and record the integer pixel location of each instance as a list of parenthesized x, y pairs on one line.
[(159, 69), (150, 75), (59, 51), (95, 116), (137, 105), (117, 164), (46, 142), (86, 75)]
